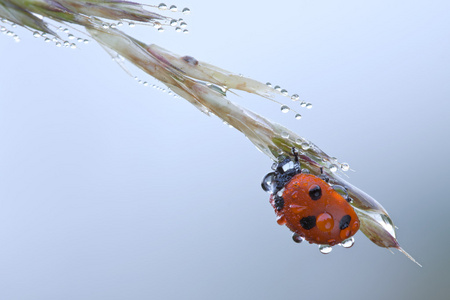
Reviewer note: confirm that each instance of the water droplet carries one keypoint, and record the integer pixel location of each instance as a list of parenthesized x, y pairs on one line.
[(325, 249), (268, 183), (47, 40), (285, 109), (10, 33), (157, 25), (295, 97), (86, 41), (183, 24), (186, 11), (308, 105), (58, 44), (162, 6), (269, 84), (333, 168), (145, 83), (284, 135), (178, 29), (112, 26), (305, 146), (71, 36), (173, 8), (298, 116), (173, 22), (2, 29), (120, 23), (161, 29), (185, 31), (66, 30), (305, 171), (278, 88), (73, 46), (66, 44), (341, 190), (348, 242), (297, 238), (131, 24), (79, 40), (284, 92), (105, 25), (36, 34), (345, 167), (303, 104)]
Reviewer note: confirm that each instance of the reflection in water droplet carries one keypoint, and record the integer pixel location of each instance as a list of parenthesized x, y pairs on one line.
[(297, 238), (285, 108), (348, 242), (345, 167), (298, 116), (325, 249), (295, 97), (333, 168), (268, 183)]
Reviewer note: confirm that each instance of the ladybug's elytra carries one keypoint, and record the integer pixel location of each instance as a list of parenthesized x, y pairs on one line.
[(309, 206)]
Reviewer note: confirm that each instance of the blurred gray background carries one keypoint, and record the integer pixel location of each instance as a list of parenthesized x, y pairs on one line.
[(113, 190)]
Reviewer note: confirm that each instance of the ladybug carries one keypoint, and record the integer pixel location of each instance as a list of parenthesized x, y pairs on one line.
[(309, 206)]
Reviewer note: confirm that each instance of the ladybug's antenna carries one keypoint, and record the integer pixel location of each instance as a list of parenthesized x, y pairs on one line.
[(295, 153)]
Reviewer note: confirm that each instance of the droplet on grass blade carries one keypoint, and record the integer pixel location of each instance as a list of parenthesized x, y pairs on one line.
[(285, 109)]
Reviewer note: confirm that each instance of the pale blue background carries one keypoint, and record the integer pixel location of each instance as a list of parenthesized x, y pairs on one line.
[(113, 190)]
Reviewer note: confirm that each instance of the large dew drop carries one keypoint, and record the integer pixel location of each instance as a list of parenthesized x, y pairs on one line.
[(325, 249)]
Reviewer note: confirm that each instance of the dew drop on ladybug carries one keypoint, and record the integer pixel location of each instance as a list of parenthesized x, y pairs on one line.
[(310, 207)]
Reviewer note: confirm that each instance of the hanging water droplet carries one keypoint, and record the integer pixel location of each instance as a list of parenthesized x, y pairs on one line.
[(73, 46), (112, 26), (58, 44), (298, 116), (325, 249), (185, 31), (160, 29), (162, 6), (145, 83), (66, 30), (178, 29), (105, 25), (86, 41), (295, 97), (268, 183), (173, 8), (16, 38), (303, 104), (183, 24), (284, 92), (157, 25), (333, 168), (173, 22), (341, 190), (305, 146), (9, 33), (131, 24), (120, 23), (47, 40), (348, 242), (308, 105), (345, 167), (186, 11), (297, 238), (79, 40), (66, 44), (71, 36), (284, 134), (36, 34), (285, 109), (269, 84), (278, 88)]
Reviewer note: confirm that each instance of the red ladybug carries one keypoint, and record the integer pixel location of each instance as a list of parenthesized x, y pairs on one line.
[(309, 206)]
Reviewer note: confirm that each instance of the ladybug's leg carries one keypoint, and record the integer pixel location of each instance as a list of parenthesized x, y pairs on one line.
[(323, 176)]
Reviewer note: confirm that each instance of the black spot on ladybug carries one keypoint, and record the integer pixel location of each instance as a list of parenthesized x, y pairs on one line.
[(344, 222), (315, 192), (279, 203), (308, 222)]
